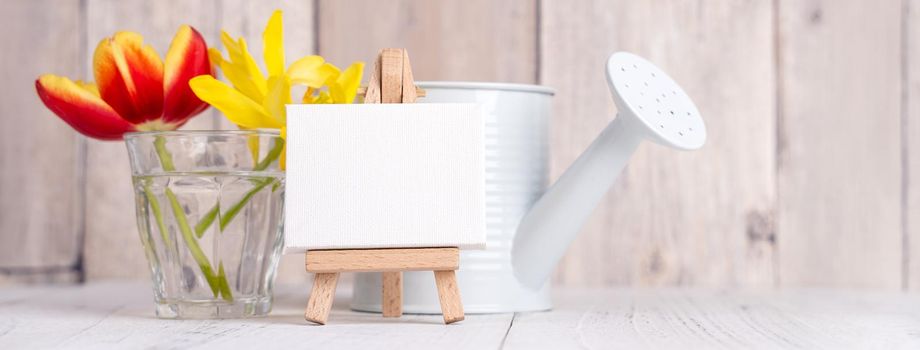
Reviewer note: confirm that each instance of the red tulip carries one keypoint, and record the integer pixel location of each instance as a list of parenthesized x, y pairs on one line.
[(134, 90)]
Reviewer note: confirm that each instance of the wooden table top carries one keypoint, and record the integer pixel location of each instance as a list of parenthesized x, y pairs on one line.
[(119, 315)]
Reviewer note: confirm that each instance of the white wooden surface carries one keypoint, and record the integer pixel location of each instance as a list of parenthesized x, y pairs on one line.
[(120, 316)]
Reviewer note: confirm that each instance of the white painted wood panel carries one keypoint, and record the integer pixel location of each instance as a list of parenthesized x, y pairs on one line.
[(40, 168), (674, 218), (811, 175), (839, 171), (477, 40), (911, 155)]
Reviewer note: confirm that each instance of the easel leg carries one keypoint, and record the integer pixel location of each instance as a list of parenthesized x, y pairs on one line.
[(449, 294), (392, 294), (321, 297)]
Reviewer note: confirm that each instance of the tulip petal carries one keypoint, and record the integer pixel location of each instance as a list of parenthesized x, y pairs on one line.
[(273, 45), (130, 77), (236, 106), (279, 95), (92, 88), (78, 106), (187, 58), (312, 71)]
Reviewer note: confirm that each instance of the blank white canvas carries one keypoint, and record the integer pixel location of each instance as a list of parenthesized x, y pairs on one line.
[(384, 176)]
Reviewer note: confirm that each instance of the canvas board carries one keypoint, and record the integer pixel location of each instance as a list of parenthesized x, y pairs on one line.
[(384, 176)]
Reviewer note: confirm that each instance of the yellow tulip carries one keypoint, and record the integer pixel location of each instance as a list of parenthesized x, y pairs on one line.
[(253, 101)]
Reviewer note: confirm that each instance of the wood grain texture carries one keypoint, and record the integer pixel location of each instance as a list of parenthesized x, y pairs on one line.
[(380, 260), (673, 218), (839, 178), (107, 315), (40, 170), (372, 92), (409, 93), (120, 315), (391, 69), (392, 294), (477, 40), (695, 319), (321, 297), (911, 155), (449, 296)]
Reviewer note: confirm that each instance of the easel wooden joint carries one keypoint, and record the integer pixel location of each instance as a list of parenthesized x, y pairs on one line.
[(391, 82)]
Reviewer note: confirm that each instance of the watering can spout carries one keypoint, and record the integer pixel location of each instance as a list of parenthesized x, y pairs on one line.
[(650, 106), (547, 230)]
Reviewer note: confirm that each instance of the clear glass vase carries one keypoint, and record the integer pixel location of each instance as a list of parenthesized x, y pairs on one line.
[(209, 214)]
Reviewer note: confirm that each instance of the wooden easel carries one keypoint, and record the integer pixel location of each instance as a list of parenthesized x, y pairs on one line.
[(391, 82)]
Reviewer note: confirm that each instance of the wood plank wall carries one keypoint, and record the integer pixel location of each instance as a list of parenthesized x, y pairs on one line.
[(839, 156), (810, 176), (41, 159)]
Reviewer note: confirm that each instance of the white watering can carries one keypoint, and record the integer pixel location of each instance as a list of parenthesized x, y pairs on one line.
[(529, 227)]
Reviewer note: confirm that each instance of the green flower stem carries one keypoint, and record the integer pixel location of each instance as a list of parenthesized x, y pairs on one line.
[(225, 219), (223, 285), (214, 281), (206, 221), (192, 243), (165, 158), (270, 157), (157, 213), (235, 209)]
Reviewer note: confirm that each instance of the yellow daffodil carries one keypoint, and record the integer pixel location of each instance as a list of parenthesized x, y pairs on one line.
[(257, 101)]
